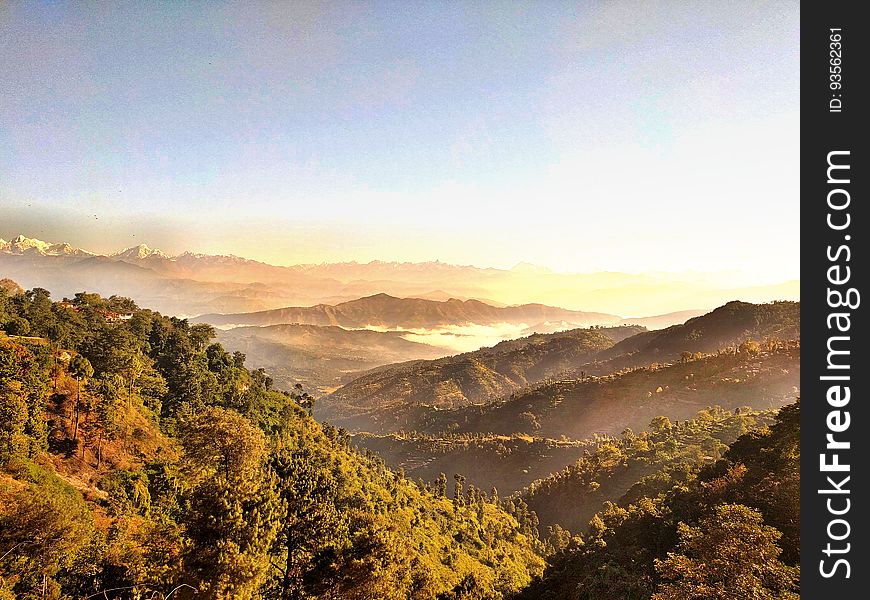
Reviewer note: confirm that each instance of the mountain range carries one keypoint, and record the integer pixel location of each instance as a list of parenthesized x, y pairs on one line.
[(728, 325), (422, 394), (383, 310), (583, 406), (549, 418), (412, 415), (190, 284)]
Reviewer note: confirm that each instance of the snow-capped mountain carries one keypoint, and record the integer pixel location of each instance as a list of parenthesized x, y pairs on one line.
[(190, 284), (22, 244), (140, 252)]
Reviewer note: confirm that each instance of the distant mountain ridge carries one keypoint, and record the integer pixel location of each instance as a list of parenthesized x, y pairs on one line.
[(321, 357), (140, 252), (728, 325), (383, 310), (23, 244), (581, 407), (665, 320), (190, 283)]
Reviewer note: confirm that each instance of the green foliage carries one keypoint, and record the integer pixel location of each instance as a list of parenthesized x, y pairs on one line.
[(221, 443), (108, 393), (43, 526), (635, 466), (231, 504), (197, 476), (23, 378), (17, 326), (128, 491), (731, 531), (13, 421), (311, 531), (729, 554)]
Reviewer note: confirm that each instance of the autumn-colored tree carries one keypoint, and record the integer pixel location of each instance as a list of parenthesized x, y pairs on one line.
[(750, 347), (42, 529), (729, 554)]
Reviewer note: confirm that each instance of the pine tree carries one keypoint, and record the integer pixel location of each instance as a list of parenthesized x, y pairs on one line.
[(441, 485), (309, 527), (80, 368), (232, 504), (458, 499)]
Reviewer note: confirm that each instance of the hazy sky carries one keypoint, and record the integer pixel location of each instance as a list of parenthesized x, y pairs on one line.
[(580, 135)]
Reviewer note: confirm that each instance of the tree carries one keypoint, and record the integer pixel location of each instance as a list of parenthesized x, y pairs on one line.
[(458, 499), (660, 424), (80, 368), (26, 369), (470, 588), (13, 420), (304, 399), (39, 312), (108, 395), (310, 527), (750, 347), (729, 554), (441, 485), (18, 326), (200, 334), (42, 529), (111, 350), (231, 504), (189, 381)]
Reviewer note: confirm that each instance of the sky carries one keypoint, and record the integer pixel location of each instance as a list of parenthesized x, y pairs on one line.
[(583, 136)]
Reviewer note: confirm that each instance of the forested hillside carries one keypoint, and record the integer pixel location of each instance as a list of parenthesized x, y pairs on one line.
[(637, 464), (139, 457), (504, 462), (761, 376), (727, 326), (731, 531), (512, 441), (393, 398), (739, 349)]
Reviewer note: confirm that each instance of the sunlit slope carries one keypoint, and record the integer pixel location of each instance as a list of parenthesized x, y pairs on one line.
[(392, 398)]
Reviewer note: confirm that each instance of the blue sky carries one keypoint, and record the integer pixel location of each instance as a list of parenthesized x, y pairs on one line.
[(580, 135)]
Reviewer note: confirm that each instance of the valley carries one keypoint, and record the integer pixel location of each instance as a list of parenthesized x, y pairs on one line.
[(505, 454), (321, 357)]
